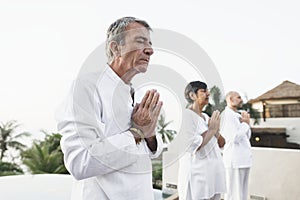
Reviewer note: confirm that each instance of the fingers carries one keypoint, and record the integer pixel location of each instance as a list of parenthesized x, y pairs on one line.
[(215, 120), (135, 108), (150, 99), (154, 101), (245, 115), (146, 119), (157, 110), (143, 102), (215, 115), (148, 110)]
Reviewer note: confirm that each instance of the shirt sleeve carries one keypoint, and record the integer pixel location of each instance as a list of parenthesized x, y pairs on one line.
[(159, 148), (242, 131), (232, 129), (87, 152), (191, 133)]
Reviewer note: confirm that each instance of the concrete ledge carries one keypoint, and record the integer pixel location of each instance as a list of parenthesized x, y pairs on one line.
[(275, 173)]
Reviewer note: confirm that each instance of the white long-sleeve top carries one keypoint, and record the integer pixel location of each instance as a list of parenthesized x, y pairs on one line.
[(201, 171), (97, 146), (237, 150)]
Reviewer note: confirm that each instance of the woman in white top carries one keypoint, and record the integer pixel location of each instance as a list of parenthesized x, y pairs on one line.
[(201, 169)]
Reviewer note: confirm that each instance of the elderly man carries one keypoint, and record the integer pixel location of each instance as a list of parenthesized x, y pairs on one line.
[(107, 141), (237, 156)]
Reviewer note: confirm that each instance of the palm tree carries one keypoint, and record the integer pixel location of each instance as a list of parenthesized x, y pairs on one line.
[(8, 137), (7, 169), (166, 134), (45, 156), (217, 104)]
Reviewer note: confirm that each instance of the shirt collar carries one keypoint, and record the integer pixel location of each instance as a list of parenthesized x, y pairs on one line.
[(114, 77), (232, 111)]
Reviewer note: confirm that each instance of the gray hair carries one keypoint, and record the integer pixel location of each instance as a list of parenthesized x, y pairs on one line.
[(114, 32)]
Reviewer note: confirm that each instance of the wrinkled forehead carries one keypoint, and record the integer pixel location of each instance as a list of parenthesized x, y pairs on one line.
[(137, 32), (135, 29)]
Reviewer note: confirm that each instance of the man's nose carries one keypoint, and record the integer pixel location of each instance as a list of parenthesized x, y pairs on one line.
[(148, 51)]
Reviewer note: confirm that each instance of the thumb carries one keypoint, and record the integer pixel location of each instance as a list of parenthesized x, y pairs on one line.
[(135, 108)]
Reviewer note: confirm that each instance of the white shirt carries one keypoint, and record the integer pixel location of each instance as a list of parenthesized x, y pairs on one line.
[(203, 170), (237, 150), (98, 148)]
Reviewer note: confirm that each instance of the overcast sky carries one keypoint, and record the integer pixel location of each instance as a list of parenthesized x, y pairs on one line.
[(254, 45)]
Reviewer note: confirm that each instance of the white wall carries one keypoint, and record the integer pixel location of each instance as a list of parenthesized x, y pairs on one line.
[(36, 187), (43, 187), (170, 171), (170, 164), (274, 174)]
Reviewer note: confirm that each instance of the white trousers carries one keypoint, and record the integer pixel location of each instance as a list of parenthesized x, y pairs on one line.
[(188, 197), (237, 183), (215, 197)]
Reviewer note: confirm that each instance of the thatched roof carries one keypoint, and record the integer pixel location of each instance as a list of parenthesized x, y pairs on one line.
[(286, 90)]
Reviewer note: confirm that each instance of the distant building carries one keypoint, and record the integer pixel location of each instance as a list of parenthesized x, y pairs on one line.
[(271, 137), (280, 112)]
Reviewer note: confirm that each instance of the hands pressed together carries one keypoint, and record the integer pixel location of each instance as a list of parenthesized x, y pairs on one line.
[(245, 117), (214, 126), (144, 117), (214, 122)]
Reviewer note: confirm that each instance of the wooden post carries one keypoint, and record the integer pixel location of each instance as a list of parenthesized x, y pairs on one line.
[(264, 110)]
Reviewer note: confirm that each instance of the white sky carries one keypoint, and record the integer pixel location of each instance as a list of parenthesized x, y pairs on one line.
[(255, 45)]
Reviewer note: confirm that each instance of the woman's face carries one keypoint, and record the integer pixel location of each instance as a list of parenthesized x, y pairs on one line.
[(202, 97)]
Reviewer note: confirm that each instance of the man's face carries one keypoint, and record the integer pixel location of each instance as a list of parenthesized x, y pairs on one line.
[(236, 100), (136, 51)]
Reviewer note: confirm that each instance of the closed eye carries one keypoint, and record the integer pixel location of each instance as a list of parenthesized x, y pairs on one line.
[(142, 40)]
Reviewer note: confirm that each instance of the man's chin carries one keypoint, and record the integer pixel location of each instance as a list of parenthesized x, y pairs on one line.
[(142, 68)]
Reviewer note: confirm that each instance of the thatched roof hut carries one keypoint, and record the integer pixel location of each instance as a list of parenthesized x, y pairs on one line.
[(286, 90), (281, 101)]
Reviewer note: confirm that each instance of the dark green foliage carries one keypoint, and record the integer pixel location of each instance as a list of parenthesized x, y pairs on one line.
[(7, 169), (157, 175), (45, 156), (218, 104), (8, 138)]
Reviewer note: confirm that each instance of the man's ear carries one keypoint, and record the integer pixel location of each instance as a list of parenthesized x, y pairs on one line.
[(114, 47), (193, 96)]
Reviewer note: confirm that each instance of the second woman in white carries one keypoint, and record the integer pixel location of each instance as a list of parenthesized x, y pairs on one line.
[(201, 169)]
